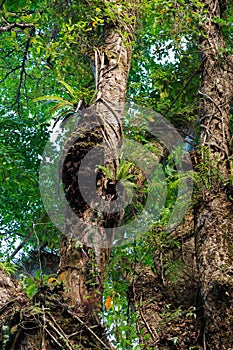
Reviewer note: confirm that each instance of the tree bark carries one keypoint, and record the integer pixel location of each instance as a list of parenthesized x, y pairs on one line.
[(82, 267), (214, 215), (65, 314), (166, 297), (205, 281), (12, 300)]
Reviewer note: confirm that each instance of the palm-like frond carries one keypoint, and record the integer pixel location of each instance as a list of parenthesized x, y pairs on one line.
[(50, 98), (62, 105), (107, 171), (69, 88)]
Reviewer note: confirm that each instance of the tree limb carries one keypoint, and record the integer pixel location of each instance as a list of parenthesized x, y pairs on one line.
[(88, 328), (10, 26), (9, 73), (20, 246), (23, 72), (182, 90)]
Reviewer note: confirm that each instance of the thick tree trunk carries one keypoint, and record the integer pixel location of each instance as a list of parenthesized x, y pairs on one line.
[(214, 215), (204, 284), (86, 246), (216, 91), (65, 314), (166, 298), (12, 301)]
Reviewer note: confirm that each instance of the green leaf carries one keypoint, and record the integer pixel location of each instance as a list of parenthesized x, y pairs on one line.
[(72, 92)]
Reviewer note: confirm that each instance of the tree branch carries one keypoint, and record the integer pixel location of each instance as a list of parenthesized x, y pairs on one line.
[(10, 26), (9, 73), (88, 328), (182, 90), (20, 246), (23, 72)]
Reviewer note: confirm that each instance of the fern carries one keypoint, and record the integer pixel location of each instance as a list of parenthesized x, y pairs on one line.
[(7, 267), (62, 106), (107, 171)]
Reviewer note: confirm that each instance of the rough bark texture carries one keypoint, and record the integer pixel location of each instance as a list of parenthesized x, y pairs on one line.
[(205, 280), (166, 298), (64, 314), (82, 267), (214, 244), (12, 300), (216, 90), (214, 216)]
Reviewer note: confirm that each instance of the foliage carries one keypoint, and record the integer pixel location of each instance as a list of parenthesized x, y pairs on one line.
[(34, 60), (120, 319), (51, 61), (63, 108), (8, 267), (31, 284), (207, 176)]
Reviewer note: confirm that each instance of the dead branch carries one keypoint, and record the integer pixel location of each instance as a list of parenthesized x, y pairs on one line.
[(57, 329), (147, 325)]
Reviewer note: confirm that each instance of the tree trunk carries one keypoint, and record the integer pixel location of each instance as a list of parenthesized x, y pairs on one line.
[(166, 298), (214, 215), (82, 266), (204, 283), (65, 314), (12, 300)]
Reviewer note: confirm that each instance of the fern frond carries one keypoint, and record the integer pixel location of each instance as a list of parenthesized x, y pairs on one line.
[(107, 171), (123, 170), (49, 98), (71, 91), (62, 105)]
